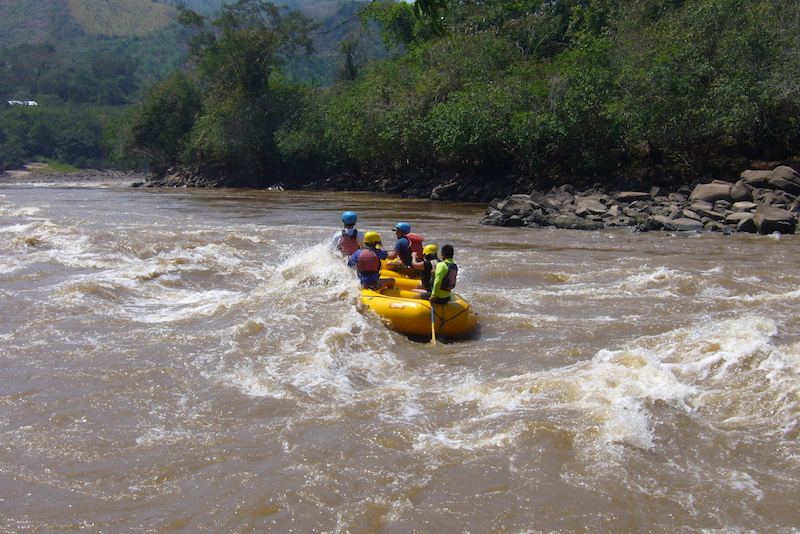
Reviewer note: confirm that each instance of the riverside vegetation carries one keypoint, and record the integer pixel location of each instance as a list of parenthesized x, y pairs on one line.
[(515, 96), (518, 96), (87, 62)]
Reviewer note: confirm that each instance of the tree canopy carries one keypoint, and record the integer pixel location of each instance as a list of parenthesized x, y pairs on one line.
[(526, 92)]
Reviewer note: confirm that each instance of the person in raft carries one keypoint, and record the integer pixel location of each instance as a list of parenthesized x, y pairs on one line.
[(368, 262), (400, 257), (426, 266), (444, 279), (348, 240)]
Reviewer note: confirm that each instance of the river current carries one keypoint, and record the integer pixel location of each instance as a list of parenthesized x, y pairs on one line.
[(182, 360)]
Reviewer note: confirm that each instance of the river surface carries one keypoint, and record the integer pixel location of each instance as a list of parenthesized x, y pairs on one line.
[(180, 360)]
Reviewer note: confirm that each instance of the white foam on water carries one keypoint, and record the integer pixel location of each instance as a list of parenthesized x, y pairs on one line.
[(715, 371), (768, 297), (160, 436), (714, 348), (619, 387), (315, 341), (254, 381), (609, 395), (313, 366), (465, 437), (181, 306), (156, 289), (14, 210), (42, 241), (743, 483), (16, 229), (662, 282)]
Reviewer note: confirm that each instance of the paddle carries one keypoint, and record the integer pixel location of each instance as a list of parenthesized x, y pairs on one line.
[(433, 326)]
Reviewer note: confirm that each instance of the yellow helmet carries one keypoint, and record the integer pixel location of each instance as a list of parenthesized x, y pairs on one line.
[(372, 238), (430, 249)]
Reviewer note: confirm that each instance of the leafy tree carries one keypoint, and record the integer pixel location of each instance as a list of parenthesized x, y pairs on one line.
[(71, 134), (352, 55), (238, 55), (156, 131), (543, 91), (400, 26), (12, 153), (222, 121), (238, 50), (693, 80)]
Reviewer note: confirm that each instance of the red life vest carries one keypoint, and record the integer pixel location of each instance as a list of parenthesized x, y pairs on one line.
[(449, 281), (416, 243), (348, 244), (368, 262)]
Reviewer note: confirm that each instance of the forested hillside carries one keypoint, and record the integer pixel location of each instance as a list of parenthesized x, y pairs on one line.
[(516, 94), (85, 61), (57, 21)]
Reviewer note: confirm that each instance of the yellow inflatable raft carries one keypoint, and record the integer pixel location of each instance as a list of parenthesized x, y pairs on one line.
[(405, 314)]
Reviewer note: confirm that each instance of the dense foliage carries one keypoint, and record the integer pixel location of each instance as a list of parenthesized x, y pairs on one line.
[(85, 82), (67, 133), (567, 90), (522, 92), (510, 93), (74, 72), (221, 119)]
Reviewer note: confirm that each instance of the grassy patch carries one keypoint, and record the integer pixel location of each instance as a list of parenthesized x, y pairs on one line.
[(122, 17), (50, 166)]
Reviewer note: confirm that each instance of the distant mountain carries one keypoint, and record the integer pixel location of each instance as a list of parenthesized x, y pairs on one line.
[(86, 61), (316, 9), (122, 17), (63, 20), (147, 31), (36, 21), (205, 7)]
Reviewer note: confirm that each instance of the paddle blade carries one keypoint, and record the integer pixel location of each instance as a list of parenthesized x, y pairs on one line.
[(433, 326)]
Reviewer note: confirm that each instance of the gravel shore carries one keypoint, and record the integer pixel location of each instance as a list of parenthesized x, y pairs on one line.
[(39, 174)]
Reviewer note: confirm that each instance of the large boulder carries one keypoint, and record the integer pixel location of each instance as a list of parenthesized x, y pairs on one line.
[(734, 217), (747, 225), (784, 178), (774, 197), (632, 196), (574, 222), (769, 219), (661, 222), (742, 221), (548, 203), (590, 205), (744, 205), (741, 191), (520, 205), (683, 224), (781, 178), (755, 178), (446, 191), (716, 190)]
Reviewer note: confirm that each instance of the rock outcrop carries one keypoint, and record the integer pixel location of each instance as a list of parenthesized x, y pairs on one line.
[(759, 202)]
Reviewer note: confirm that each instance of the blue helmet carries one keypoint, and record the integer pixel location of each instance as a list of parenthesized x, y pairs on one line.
[(349, 217), (403, 227)]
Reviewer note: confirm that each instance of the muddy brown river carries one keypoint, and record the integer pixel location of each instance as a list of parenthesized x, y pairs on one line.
[(182, 360)]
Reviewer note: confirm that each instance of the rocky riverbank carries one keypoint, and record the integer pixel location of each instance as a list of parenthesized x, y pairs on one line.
[(40, 173), (761, 201)]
